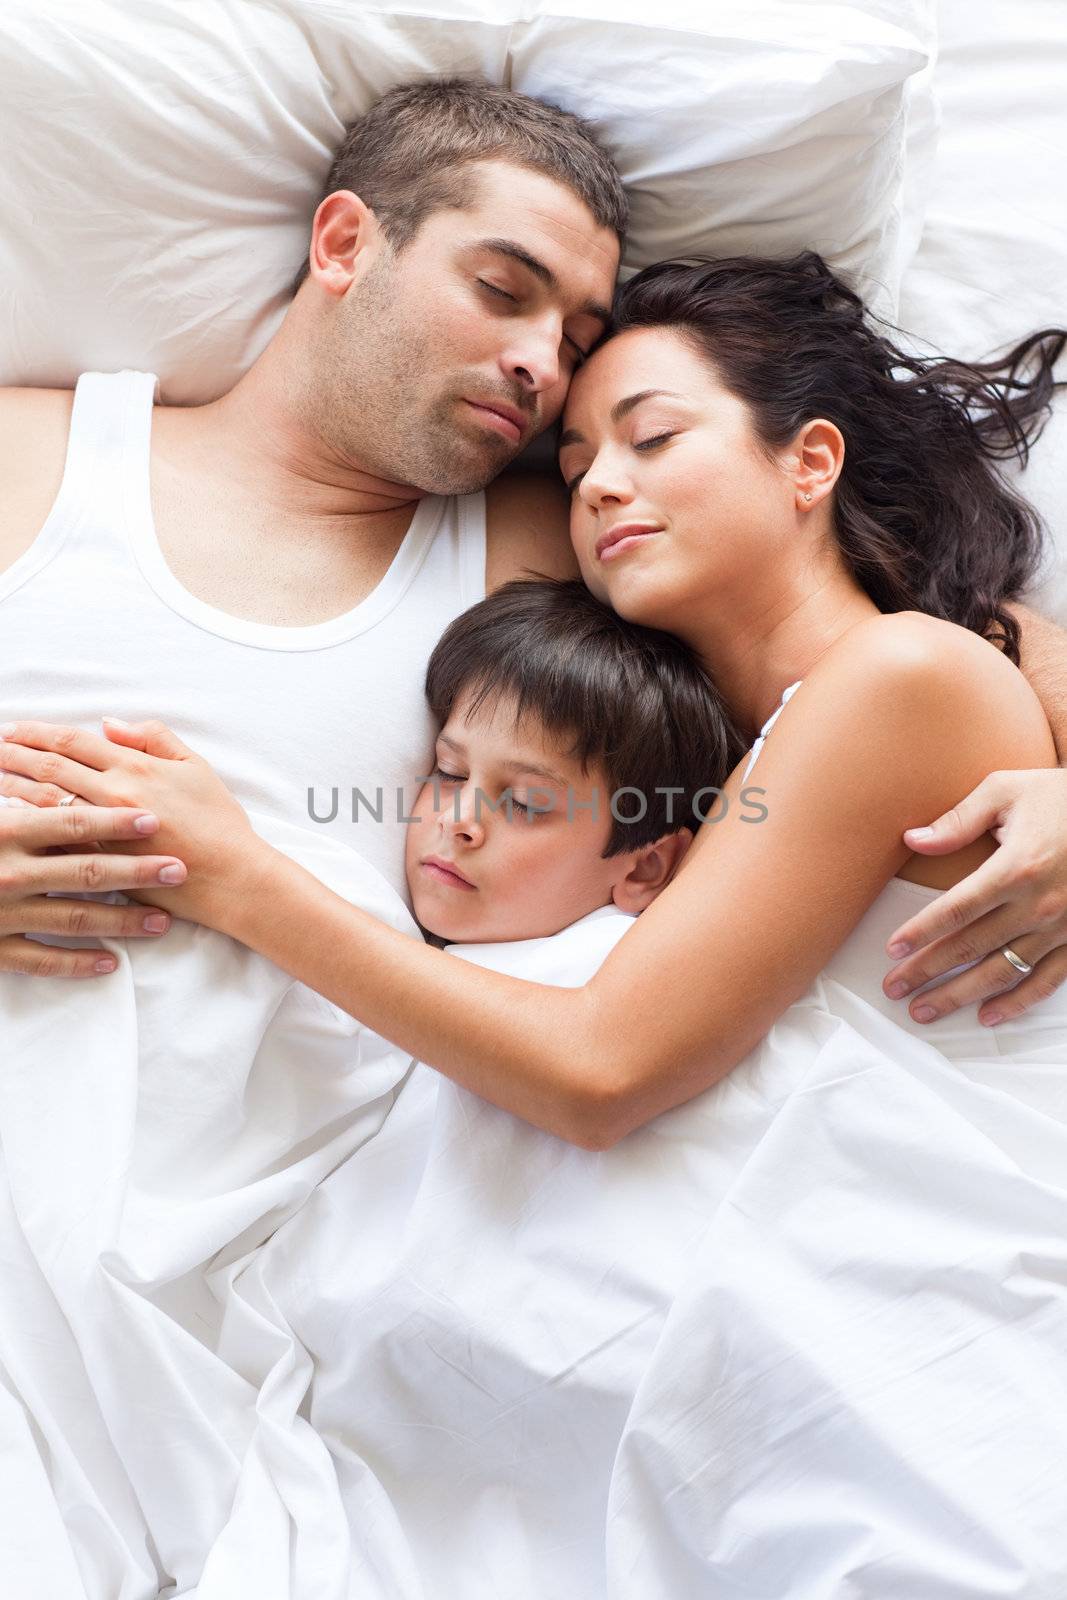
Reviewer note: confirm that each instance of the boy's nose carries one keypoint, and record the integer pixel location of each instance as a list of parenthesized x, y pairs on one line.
[(466, 825)]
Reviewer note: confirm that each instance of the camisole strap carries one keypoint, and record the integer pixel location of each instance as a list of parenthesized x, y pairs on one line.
[(769, 724)]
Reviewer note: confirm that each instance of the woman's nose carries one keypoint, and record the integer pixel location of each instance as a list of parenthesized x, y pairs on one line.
[(603, 484)]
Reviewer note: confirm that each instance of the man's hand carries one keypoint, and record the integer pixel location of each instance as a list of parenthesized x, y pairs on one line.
[(30, 871), (1017, 898), (148, 767)]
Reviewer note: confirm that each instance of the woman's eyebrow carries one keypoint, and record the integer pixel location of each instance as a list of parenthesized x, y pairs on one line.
[(619, 410)]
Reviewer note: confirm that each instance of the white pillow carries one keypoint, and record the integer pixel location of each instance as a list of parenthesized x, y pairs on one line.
[(163, 160), (992, 266)]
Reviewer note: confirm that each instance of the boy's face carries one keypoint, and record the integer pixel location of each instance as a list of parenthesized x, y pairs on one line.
[(474, 875)]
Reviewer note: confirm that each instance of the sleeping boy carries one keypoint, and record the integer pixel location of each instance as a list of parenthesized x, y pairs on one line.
[(577, 753)]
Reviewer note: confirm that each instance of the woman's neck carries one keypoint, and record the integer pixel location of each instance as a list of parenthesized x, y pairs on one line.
[(756, 649)]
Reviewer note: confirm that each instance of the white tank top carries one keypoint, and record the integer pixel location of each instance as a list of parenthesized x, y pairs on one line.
[(93, 622)]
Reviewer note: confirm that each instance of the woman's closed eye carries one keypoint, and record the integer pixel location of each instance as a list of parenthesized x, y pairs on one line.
[(447, 777), (640, 444)]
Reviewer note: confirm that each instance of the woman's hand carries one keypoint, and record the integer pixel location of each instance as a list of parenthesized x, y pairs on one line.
[(1017, 898), (45, 854), (147, 767)]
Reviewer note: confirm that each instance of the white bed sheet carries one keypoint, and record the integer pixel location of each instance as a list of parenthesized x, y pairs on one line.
[(802, 1338)]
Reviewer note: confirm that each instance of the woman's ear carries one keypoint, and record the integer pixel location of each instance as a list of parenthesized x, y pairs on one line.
[(650, 870), (819, 454)]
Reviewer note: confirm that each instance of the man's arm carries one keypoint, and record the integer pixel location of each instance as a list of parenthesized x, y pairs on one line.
[(1018, 898), (34, 424), (1043, 659), (527, 529)]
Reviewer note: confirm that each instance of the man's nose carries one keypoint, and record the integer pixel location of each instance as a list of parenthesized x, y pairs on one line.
[(532, 361)]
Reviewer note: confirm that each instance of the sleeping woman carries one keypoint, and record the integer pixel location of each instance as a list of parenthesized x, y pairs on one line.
[(757, 469)]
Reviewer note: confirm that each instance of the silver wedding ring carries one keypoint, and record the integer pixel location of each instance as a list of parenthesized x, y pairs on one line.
[(67, 800), (1017, 961)]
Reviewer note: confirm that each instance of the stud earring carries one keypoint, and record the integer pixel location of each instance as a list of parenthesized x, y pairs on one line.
[(807, 496)]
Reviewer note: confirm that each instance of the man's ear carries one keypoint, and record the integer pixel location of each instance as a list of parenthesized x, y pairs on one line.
[(344, 225), (650, 870)]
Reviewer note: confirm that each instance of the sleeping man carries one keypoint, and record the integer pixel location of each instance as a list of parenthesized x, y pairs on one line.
[(293, 549)]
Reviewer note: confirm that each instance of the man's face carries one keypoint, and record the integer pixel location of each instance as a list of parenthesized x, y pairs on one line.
[(451, 355)]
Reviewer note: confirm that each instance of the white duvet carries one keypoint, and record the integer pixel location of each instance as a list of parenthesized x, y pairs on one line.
[(152, 1122), (804, 1338)]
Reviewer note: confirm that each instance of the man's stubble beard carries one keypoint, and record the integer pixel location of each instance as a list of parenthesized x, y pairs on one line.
[(375, 408)]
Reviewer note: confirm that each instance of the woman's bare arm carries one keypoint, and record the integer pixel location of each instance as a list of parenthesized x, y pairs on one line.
[(900, 718), (869, 741)]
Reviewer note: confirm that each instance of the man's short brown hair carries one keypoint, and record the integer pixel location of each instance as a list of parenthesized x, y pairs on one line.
[(406, 157)]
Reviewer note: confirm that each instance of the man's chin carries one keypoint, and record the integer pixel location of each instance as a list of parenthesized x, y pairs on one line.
[(463, 459)]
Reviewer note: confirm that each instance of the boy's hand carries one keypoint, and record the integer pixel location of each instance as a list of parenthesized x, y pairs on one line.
[(147, 767)]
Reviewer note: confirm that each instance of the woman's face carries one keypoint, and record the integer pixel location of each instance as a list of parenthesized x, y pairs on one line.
[(652, 441)]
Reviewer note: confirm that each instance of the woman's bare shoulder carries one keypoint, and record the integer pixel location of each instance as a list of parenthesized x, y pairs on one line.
[(946, 678)]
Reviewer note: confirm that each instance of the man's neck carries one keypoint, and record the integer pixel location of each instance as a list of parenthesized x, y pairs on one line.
[(254, 441)]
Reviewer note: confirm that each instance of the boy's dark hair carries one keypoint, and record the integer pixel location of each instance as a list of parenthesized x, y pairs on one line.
[(409, 155), (633, 701)]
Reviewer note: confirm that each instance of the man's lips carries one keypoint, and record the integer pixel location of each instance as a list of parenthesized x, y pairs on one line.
[(613, 541), (445, 873), (505, 419)]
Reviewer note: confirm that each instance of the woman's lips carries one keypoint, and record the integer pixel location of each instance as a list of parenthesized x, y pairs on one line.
[(445, 875), (617, 545), (496, 420)]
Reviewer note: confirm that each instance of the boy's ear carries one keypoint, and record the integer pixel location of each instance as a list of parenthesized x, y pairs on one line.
[(650, 870)]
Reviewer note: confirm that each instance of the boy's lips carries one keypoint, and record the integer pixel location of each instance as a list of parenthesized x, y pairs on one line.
[(445, 872)]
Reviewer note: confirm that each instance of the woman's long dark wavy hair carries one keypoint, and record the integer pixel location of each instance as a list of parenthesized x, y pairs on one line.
[(923, 517)]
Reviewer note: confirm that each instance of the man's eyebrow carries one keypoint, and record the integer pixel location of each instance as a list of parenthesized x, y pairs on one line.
[(622, 408), (517, 252), (508, 766)]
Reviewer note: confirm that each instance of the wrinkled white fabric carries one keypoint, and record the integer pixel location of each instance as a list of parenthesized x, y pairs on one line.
[(154, 1122), (802, 1338)]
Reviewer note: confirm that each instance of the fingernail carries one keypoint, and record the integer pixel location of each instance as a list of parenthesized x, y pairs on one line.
[(6, 728), (158, 922), (920, 833), (175, 874), (147, 823), (116, 722), (993, 1018), (897, 991), (106, 964), (924, 1014), (899, 947)]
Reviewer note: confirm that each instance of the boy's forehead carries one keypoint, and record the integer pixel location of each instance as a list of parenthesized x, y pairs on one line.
[(493, 729)]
